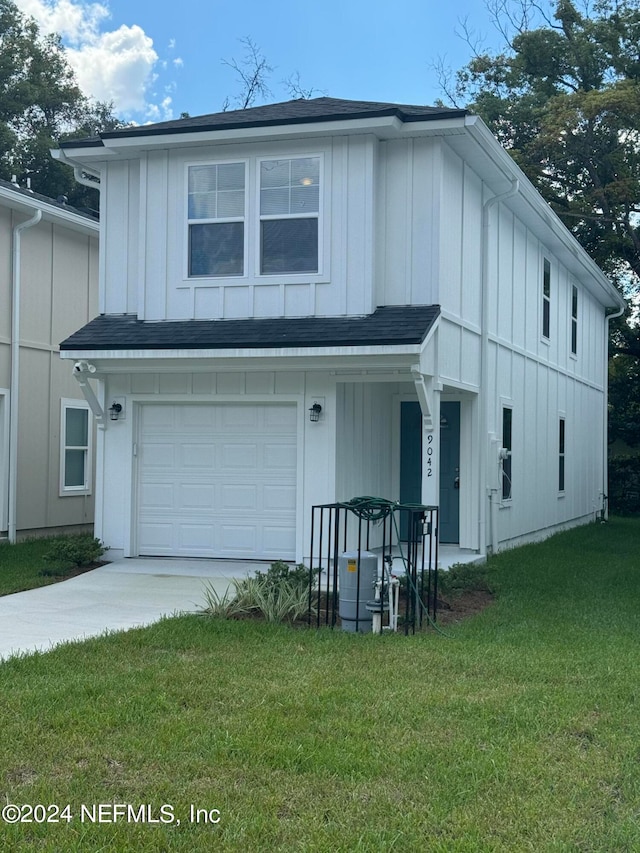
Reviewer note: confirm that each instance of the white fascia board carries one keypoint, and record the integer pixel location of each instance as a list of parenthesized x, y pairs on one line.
[(50, 212), (182, 355), (387, 127), (509, 169)]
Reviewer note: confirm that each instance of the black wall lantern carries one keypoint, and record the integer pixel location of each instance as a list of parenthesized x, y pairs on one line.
[(314, 412), (114, 411)]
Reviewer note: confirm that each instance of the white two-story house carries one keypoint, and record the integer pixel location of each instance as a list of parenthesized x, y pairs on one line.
[(305, 302)]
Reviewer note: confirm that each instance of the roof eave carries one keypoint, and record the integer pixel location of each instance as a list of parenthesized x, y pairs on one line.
[(384, 127)]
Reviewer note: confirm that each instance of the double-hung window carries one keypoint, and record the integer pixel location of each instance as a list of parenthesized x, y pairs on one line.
[(216, 219), (75, 449), (289, 215)]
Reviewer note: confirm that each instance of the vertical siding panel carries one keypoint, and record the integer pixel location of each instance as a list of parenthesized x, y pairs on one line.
[(155, 284)]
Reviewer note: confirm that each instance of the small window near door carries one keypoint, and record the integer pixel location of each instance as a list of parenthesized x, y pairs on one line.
[(507, 415), (75, 449)]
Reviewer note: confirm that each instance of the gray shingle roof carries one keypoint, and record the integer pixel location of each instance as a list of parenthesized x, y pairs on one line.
[(386, 326), (300, 111)]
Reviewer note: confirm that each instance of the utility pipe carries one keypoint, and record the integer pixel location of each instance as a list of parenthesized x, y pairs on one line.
[(484, 487), (14, 395)]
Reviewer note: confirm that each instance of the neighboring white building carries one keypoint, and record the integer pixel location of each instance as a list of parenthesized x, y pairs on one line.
[(389, 263), (48, 287)]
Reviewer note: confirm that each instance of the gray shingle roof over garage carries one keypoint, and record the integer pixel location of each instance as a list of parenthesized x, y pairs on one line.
[(388, 325)]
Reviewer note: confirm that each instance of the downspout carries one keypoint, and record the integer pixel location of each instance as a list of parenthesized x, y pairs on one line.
[(484, 490), (14, 393), (605, 428)]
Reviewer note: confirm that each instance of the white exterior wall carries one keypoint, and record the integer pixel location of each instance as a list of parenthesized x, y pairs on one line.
[(116, 514), (145, 204), (539, 379)]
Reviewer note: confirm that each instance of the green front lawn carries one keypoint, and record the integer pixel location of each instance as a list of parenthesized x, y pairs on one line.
[(21, 565), (520, 733)]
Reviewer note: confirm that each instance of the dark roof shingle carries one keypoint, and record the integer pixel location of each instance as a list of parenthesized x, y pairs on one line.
[(389, 325), (300, 111)]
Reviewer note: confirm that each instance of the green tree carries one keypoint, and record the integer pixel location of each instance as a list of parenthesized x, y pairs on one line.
[(563, 97), (41, 104)]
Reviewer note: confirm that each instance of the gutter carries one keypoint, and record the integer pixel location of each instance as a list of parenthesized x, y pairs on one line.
[(14, 392), (485, 490)]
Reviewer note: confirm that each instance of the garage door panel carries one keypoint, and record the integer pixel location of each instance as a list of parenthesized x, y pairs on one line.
[(278, 540), (196, 496), (280, 457), (161, 456), (239, 455), (197, 455), (279, 498), (217, 480), (234, 496)]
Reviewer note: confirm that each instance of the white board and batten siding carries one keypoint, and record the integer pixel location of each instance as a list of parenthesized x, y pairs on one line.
[(153, 190), (217, 480)]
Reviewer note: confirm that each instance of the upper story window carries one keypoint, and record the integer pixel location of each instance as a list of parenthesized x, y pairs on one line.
[(289, 215), (546, 299), (216, 212), (574, 319)]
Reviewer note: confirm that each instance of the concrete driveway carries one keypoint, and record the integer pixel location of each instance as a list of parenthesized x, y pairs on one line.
[(124, 594)]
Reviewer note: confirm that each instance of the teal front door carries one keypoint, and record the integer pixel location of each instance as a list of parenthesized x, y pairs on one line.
[(449, 472), (411, 465)]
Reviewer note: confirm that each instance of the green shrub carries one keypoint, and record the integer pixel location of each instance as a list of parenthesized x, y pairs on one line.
[(624, 484), (463, 577), (280, 594), (70, 552)]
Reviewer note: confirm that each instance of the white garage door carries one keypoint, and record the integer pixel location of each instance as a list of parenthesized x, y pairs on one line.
[(217, 481)]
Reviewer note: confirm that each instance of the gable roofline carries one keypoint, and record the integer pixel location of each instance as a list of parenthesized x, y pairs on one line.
[(500, 172)]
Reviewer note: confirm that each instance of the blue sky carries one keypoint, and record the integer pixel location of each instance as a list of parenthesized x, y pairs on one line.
[(158, 60)]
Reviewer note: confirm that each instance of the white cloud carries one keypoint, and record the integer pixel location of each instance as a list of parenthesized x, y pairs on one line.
[(118, 65)]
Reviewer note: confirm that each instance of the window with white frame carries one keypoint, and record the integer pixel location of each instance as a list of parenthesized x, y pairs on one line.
[(75, 448), (216, 213), (574, 320), (289, 215), (561, 458), (546, 299), (507, 429)]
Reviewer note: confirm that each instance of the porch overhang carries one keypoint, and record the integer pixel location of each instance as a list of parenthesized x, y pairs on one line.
[(391, 338)]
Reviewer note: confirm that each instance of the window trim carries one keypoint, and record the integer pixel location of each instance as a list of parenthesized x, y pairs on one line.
[(573, 330), (67, 403), (508, 473), (259, 217), (187, 276), (546, 300), (562, 444)]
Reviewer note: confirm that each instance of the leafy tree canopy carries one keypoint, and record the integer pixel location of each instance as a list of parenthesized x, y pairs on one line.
[(563, 97), (40, 105)]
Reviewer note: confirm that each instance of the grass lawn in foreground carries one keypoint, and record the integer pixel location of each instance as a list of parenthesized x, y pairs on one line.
[(520, 733), (21, 565)]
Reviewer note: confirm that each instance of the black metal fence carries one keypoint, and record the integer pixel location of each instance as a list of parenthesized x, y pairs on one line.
[(405, 534)]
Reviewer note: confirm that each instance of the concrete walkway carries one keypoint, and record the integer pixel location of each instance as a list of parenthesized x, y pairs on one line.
[(124, 594)]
